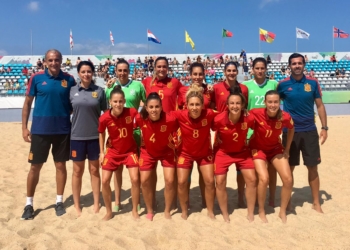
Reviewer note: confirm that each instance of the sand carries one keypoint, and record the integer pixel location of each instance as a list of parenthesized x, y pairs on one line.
[(305, 229)]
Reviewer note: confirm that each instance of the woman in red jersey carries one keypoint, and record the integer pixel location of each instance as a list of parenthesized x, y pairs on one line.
[(121, 149), (266, 147), (157, 129), (232, 128), (195, 123), (220, 94)]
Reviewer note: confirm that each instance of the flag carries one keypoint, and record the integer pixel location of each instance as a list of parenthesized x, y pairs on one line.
[(111, 37), (266, 36), (152, 37), (226, 33), (302, 34), (71, 43), (337, 33), (189, 40)]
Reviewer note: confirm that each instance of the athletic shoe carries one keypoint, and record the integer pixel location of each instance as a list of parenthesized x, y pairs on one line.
[(28, 213), (60, 209)]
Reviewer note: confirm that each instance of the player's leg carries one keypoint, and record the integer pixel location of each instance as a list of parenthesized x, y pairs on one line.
[(78, 171), (182, 189), (94, 169), (169, 189), (263, 176), (250, 180), (107, 192), (202, 188), (221, 195), (135, 189), (118, 181), (272, 184), (147, 190), (208, 177), (240, 189)]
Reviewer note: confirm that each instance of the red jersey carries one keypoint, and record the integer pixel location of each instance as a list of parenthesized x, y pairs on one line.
[(195, 133), (267, 130), (233, 136), (221, 92), (168, 90), (157, 137), (120, 130), (182, 97)]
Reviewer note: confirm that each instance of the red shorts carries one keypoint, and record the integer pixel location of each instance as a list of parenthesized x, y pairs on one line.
[(186, 161), (147, 162), (267, 155), (242, 160), (112, 160)]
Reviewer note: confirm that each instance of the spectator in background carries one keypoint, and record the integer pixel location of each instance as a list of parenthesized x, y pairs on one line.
[(175, 61), (2, 69), (212, 71), (268, 59), (288, 72), (39, 64), (333, 59), (151, 63), (108, 62), (235, 59), (245, 70), (199, 59), (337, 73), (220, 61), (77, 62), (25, 71), (106, 78), (251, 62), (240, 61), (272, 76), (305, 72), (91, 61), (312, 73), (231, 59), (138, 61), (16, 85), (342, 73), (226, 59), (7, 85), (9, 69), (306, 59), (283, 70)]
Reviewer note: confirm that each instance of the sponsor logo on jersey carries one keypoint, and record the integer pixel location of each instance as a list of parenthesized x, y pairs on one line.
[(145, 126), (169, 85), (307, 87), (128, 119), (261, 123), (187, 123), (76, 94), (44, 83), (289, 89), (222, 93), (251, 92), (112, 124), (278, 125), (181, 160), (204, 122), (94, 94), (163, 128), (244, 126), (225, 128), (64, 83)]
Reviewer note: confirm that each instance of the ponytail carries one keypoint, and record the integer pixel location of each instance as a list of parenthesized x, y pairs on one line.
[(117, 90)]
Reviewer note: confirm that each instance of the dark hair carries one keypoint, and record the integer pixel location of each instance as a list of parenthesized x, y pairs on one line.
[(86, 63), (236, 90), (274, 92), (260, 59), (295, 55), (151, 96), (195, 65), (231, 63), (122, 61), (155, 64), (117, 90)]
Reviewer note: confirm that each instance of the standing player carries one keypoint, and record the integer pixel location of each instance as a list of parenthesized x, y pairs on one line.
[(299, 94), (195, 123), (50, 127), (257, 88), (266, 147), (157, 145), (88, 100), (134, 95), (232, 128), (121, 149), (220, 94)]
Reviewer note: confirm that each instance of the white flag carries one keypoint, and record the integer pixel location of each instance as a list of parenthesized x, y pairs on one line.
[(111, 38), (71, 43), (302, 34)]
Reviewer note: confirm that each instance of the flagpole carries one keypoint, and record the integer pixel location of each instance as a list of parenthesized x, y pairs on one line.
[(333, 37), (147, 43), (259, 41), (222, 41), (31, 42), (296, 42), (185, 44)]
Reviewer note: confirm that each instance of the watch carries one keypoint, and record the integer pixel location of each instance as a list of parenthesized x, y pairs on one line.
[(324, 127)]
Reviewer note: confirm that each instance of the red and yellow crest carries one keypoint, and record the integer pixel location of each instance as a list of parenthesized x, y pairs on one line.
[(181, 160), (307, 87), (244, 126), (64, 83), (94, 94), (278, 125), (74, 153), (163, 128), (204, 122), (254, 152), (30, 156), (128, 119), (169, 85)]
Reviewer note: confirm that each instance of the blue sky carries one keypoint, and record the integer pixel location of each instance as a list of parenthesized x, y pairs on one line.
[(91, 21)]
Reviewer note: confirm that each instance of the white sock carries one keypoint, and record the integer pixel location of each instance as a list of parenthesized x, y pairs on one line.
[(59, 198), (29, 201)]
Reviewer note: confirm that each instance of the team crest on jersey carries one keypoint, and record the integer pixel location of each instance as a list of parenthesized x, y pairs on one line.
[(278, 125), (163, 128), (145, 126), (30, 156), (94, 94), (64, 83), (181, 160), (74, 153), (244, 126), (225, 128), (207, 95), (169, 85), (128, 119), (254, 152), (132, 92), (222, 93), (204, 122), (307, 87)]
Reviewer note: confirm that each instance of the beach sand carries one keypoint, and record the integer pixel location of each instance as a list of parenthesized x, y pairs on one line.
[(305, 229)]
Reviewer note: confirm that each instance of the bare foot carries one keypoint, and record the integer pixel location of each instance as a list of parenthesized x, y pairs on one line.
[(184, 215), (135, 215), (283, 217), (212, 216), (317, 208), (78, 210), (241, 204), (167, 215), (150, 217), (250, 218), (262, 216), (96, 209), (226, 218), (108, 216)]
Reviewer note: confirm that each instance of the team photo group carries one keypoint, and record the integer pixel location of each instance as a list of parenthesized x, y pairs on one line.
[(138, 124)]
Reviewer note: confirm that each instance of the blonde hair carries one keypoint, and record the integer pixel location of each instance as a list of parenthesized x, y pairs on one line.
[(195, 91)]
